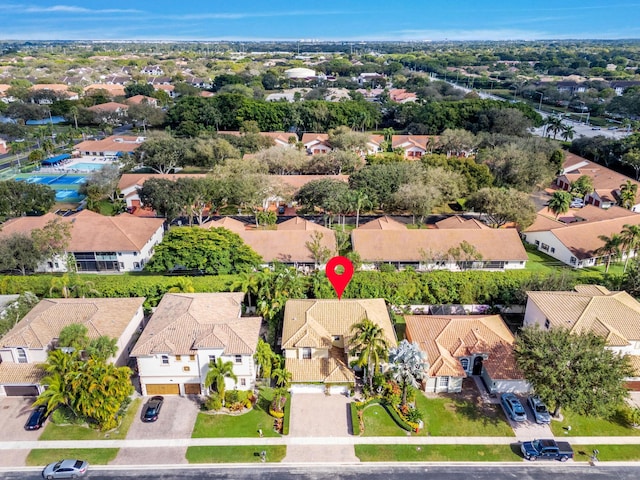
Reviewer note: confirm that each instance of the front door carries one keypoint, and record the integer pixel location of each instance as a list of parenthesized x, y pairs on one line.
[(477, 366)]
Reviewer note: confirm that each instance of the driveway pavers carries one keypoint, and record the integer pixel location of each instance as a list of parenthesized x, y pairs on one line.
[(319, 415), (176, 420), (14, 412)]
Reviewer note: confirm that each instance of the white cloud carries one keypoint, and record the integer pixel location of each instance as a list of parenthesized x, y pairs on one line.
[(75, 9)]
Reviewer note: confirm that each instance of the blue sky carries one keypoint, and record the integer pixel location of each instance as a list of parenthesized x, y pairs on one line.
[(350, 20)]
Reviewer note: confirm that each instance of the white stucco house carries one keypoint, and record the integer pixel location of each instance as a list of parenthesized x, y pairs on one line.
[(186, 332), (613, 315), (461, 346), (27, 344)]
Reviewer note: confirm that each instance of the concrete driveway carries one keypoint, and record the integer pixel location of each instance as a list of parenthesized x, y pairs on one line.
[(319, 415), (529, 429), (176, 420), (14, 412)]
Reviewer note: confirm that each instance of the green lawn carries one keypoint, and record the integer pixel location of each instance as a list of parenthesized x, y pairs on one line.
[(95, 456), (438, 453), (442, 416), (83, 432), (608, 453), (245, 425), (583, 426), (540, 262), (237, 454), (457, 416)]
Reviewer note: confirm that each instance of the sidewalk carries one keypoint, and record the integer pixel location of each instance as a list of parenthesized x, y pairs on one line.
[(351, 440)]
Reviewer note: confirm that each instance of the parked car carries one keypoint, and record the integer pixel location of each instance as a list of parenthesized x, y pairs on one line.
[(152, 409), (596, 128), (540, 411), (65, 469), (546, 450), (37, 418), (513, 407), (577, 203)]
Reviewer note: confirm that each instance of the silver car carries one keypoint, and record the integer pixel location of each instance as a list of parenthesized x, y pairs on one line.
[(65, 469), (540, 411)]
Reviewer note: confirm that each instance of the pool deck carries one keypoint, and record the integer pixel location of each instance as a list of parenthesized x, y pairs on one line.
[(74, 165)]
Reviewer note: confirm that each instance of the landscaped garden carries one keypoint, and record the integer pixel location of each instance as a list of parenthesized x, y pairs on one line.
[(247, 424)]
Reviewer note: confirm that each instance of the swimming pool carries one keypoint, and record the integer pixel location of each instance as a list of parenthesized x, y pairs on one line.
[(68, 196), (86, 167)]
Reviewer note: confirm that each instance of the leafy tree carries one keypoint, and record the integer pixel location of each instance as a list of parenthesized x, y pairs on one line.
[(209, 152), (321, 193), (146, 115), (74, 336), (343, 138), (408, 365), (573, 370), (283, 160), (582, 186), (218, 372), (417, 198), (160, 195), (381, 182), (21, 198), (15, 311), (320, 253), (217, 251), (162, 153), (560, 202), (370, 345), (503, 206), (138, 88), (632, 159), (18, 252)]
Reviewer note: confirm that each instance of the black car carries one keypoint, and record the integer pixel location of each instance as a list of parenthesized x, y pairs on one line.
[(152, 409), (37, 418)]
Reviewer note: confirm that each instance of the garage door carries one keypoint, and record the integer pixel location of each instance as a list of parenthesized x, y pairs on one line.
[(634, 386), (307, 388), (192, 388), (21, 391), (163, 389)]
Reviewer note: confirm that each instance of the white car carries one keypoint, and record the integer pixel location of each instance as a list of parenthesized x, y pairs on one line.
[(577, 203)]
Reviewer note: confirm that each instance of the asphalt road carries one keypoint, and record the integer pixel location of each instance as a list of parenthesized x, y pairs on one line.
[(538, 471)]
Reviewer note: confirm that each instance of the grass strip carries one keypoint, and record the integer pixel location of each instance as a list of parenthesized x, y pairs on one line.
[(95, 456), (236, 454)]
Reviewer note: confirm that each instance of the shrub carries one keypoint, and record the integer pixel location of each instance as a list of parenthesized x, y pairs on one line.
[(213, 402), (355, 417), (231, 396), (387, 268)]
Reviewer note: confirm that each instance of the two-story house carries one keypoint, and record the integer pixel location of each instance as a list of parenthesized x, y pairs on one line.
[(186, 332), (27, 344), (316, 340), (593, 308)]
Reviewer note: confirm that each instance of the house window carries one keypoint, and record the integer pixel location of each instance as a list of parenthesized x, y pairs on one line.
[(22, 355), (238, 358), (553, 250), (212, 359), (306, 353), (544, 247), (443, 382), (178, 358), (336, 338), (192, 357), (572, 260), (547, 324), (121, 264), (243, 382), (537, 242), (136, 265), (465, 363), (165, 359), (186, 368)]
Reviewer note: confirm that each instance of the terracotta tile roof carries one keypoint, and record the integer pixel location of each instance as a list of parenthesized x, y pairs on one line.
[(327, 370), (447, 338), (456, 221), (109, 107), (166, 88), (313, 323), (101, 316), (613, 315), (92, 232), (383, 223), (184, 322), (139, 99), (225, 222), (425, 142), (581, 238), (113, 90), (20, 373), (316, 138), (297, 223), (54, 87), (287, 246), (115, 143), (634, 360), (296, 182), (493, 244)]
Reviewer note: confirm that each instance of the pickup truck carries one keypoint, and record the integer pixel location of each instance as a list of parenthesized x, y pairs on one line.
[(546, 450)]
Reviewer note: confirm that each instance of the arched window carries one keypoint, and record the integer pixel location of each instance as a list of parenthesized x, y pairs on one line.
[(465, 364)]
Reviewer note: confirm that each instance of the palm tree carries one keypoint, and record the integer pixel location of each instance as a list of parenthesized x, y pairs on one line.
[(248, 283), (264, 358), (567, 132), (628, 192), (360, 200), (370, 345), (182, 285), (218, 372), (282, 377), (560, 202), (408, 366), (630, 236), (611, 247), (555, 125)]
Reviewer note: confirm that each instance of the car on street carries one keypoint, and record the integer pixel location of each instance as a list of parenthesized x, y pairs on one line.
[(546, 449), (540, 411), (36, 418), (152, 409), (513, 407), (65, 469), (596, 128)]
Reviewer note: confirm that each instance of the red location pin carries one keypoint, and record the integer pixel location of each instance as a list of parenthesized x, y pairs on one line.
[(339, 280)]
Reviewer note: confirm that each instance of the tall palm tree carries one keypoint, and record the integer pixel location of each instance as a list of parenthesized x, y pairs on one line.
[(182, 285), (560, 202), (371, 347), (264, 358), (408, 366), (628, 192), (611, 247), (630, 236), (282, 377), (218, 372), (567, 132), (248, 283), (555, 125), (74, 113)]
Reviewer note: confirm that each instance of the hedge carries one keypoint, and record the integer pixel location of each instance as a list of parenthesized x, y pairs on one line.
[(355, 419), (287, 415)]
